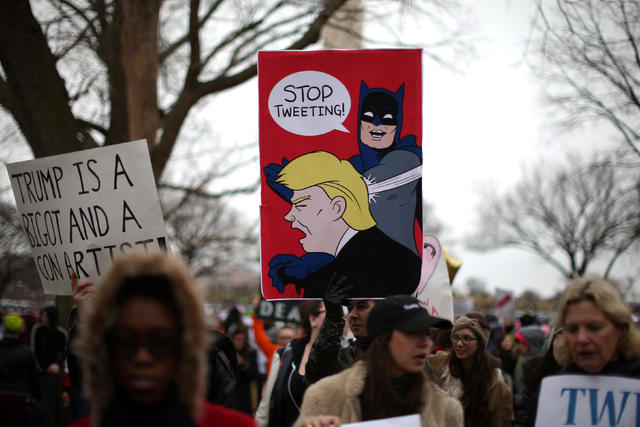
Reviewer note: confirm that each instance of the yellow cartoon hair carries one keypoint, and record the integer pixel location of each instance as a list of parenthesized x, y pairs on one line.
[(337, 178)]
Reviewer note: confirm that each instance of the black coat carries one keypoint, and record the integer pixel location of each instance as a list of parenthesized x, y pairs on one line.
[(377, 265), (18, 371), (222, 383), (284, 407)]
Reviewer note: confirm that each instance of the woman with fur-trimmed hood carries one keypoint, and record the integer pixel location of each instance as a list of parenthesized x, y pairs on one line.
[(143, 343)]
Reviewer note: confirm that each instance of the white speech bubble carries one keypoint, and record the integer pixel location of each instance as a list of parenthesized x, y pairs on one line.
[(310, 103)]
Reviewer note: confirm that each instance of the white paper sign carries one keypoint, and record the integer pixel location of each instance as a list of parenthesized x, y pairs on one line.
[(588, 400), (505, 303), (404, 421), (434, 289), (81, 210)]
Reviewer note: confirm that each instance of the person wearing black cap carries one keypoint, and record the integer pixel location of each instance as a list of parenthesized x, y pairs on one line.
[(390, 380)]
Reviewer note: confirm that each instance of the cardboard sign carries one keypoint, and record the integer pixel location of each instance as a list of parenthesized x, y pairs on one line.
[(81, 210), (284, 311), (404, 421), (435, 290), (341, 163), (588, 400)]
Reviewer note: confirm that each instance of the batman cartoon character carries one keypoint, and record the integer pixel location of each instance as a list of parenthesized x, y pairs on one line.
[(391, 164)]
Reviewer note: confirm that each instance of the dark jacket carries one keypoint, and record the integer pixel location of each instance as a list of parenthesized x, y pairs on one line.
[(284, 407), (327, 356), (18, 371), (49, 346), (223, 372)]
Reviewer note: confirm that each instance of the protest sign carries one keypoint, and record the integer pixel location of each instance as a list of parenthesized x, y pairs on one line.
[(588, 400), (341, 162), (284, 311), (435, 290), (81, 210), (404, 421), (505, 303)]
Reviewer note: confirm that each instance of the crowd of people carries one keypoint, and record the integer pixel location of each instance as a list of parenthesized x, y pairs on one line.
[(139, 350)]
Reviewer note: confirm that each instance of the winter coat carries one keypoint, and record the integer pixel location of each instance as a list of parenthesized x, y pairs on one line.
[(500, 403), (99, 318), (340, 395), (18, 371), (48, 345), (284, 405), (222, 382), (327, 356)]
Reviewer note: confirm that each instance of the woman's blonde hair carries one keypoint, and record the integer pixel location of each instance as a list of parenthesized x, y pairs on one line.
[(607, 298)]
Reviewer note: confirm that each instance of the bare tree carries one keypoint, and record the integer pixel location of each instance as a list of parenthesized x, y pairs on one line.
[(587, 53), (86, 73), (14, 248), (207, 233), (569, 216)]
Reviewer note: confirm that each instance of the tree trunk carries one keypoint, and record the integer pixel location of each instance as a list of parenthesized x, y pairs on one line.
[(35, 94)]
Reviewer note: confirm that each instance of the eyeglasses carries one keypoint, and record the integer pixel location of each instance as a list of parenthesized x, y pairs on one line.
[(465, 340), (161, 344)]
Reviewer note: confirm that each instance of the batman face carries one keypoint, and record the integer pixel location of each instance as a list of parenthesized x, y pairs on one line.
[(378, 120)]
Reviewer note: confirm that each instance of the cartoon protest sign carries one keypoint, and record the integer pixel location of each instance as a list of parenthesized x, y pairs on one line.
[(435, 289), (588, 400), (341, 161), (81, 210)]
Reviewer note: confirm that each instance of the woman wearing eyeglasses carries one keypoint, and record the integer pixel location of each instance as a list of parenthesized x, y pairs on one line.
[(469, 373), (143, 342)]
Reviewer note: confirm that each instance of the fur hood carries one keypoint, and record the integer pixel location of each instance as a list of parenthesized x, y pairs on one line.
[(100, 315), (340, 395)]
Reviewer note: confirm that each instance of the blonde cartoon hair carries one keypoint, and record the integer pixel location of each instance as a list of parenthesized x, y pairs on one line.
[(337, 178), (607, 298)]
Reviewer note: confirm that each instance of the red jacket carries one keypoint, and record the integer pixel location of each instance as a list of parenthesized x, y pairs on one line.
[(213, 415)]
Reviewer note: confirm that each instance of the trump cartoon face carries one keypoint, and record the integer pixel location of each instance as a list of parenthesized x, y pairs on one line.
[(317, 216)]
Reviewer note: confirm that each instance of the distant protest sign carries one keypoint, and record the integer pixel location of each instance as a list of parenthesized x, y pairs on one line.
[(284, 311), (435, 290), (341, 171), (588, 400), (505, 303), (83, 209)]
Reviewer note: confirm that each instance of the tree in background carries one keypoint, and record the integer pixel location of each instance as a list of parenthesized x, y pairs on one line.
[(208, 234), (569, 216), (587, 53), (14, 248), (85, 73)]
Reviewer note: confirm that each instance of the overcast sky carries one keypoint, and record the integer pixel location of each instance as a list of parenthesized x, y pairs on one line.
[(479, 128)]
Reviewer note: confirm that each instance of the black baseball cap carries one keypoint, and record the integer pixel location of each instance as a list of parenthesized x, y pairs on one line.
[(402, 312)]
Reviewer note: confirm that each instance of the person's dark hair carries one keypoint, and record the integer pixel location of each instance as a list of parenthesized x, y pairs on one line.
[(306, 308), (52, 314), (246, 349), (233, 318), (477, 383), (378, 387)]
